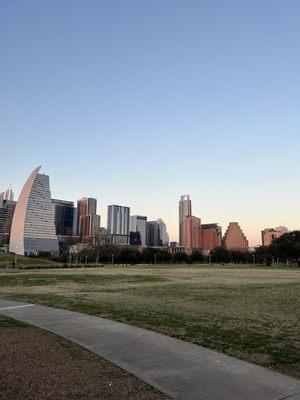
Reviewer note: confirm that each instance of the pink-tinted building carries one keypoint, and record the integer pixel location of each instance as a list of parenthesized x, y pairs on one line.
[(234, 238), (211, 236), (89, 225), (192, 233), (269, 234)]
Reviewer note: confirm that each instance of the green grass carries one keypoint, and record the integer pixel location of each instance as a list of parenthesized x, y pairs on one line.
[(52, 279), (6, 322), (6, 260), (253, 314)]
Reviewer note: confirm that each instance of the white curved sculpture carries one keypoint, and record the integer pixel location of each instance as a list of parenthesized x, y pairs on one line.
[(33, 228)]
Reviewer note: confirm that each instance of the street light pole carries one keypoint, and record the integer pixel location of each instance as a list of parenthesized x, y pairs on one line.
[(16, 257)]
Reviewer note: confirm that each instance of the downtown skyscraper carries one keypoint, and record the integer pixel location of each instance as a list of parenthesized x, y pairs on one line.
[(33, 229), (185, 209), (118, 224), (88, 222), (138, 223)]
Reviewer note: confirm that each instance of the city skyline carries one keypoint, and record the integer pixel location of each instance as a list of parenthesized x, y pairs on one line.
[(139, 103), (174, 236)]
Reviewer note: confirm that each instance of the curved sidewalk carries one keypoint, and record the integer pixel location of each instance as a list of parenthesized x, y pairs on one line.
[(177, 368)]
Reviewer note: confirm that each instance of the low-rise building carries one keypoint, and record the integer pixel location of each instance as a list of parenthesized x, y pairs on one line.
[(269, 234)]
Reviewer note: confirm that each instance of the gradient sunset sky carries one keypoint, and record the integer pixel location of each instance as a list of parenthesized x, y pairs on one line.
[(138, 102)]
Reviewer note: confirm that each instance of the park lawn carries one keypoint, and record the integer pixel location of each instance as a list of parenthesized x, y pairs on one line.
[(6, 260), (249, 313)]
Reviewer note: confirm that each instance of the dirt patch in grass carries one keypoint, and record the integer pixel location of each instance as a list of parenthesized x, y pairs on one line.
[(38, 365)]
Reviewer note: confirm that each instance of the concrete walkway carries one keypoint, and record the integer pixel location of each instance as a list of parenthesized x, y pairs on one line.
[(177, 368)]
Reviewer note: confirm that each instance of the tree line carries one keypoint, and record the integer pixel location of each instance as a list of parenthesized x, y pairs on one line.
[(283, 250)]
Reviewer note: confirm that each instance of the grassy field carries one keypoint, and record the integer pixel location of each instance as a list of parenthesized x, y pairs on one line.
[(250, 313), (6, 260)]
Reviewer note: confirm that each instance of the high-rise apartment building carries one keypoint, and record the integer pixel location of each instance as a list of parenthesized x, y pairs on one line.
[(63, 217), (33, 228), (192, 233), (185, 209), (85, 206), (7, 209), (234, 238), (118, 224), (211, 236), (138, 223), (269, 234)]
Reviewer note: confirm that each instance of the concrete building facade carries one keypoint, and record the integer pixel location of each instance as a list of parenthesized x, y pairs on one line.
[(234, 238), (192, 233), (118, 224), (269, 234), (211, 236)]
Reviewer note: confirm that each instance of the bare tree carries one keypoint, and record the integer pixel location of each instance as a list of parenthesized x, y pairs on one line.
[(100, 239)]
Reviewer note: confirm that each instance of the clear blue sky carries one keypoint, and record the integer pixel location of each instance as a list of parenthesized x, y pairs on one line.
[(138, 102)]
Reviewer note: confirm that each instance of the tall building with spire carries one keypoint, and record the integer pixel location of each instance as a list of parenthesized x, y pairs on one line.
[(234, 238), (33, 228), (185, 209)]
